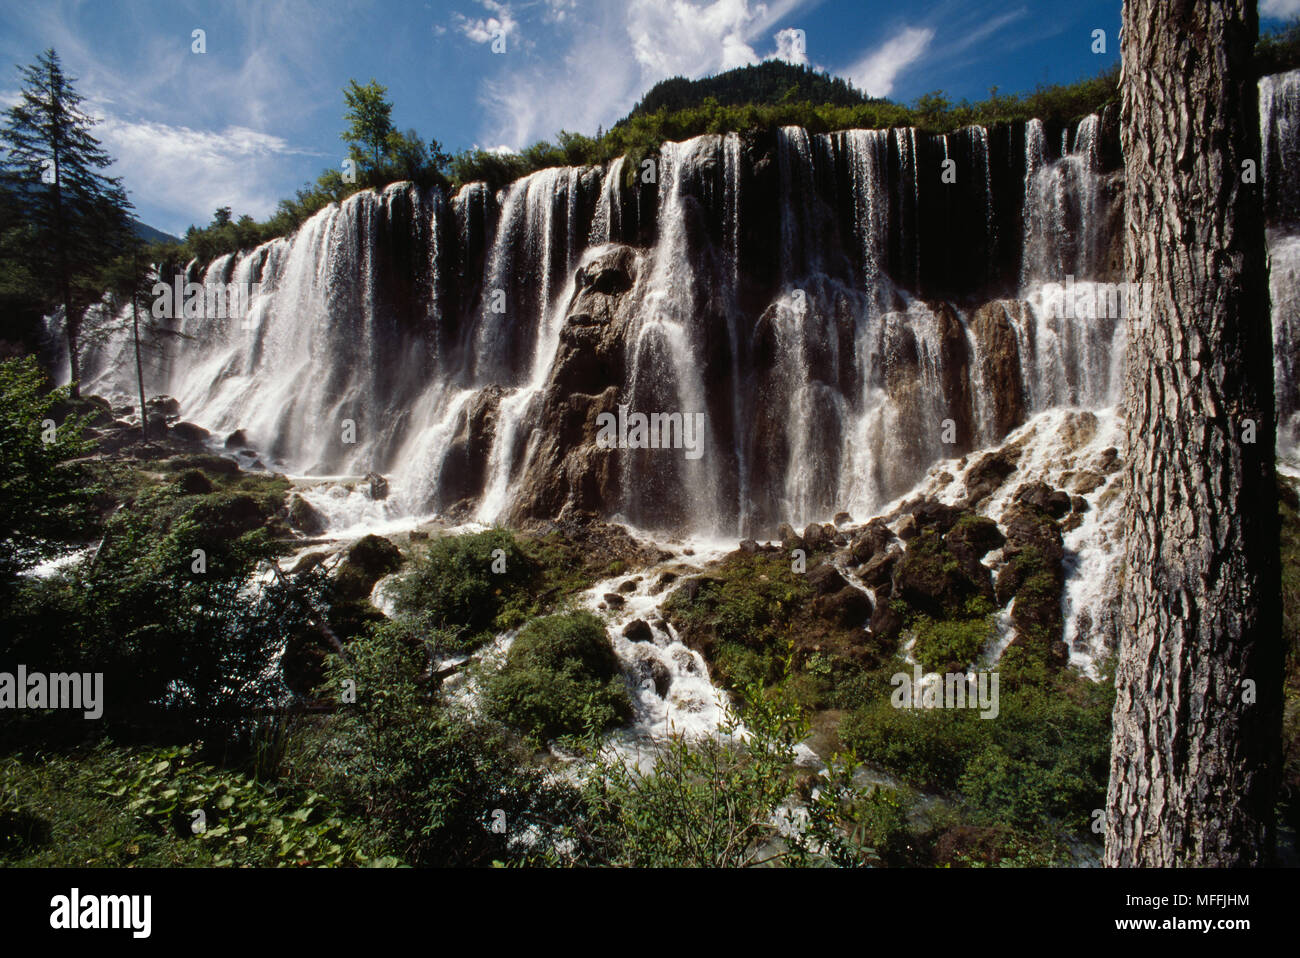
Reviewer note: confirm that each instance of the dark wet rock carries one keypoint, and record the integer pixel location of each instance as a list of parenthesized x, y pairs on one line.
[(870, 541), (748, 546), (366, 562), (878, 572), (843, 519), (994, 328), (825, 579), (236, 440), (376, 486), (1033, 574), (932, 581), (1054, 502), (630, 585), (649, 671), (305, 517), (638, 631), (308, 561), (613, 600), (374, 555), (188, 432), (848, 607), (988, 473), (664, 581)]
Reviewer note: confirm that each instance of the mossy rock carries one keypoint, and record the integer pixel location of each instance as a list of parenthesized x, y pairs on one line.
[(192, 482), (305, 517)]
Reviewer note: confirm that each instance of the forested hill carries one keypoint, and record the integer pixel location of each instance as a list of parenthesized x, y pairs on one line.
[(768, 83)]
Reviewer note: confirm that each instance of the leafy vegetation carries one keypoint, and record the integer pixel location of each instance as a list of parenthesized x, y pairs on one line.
[(560, 677)]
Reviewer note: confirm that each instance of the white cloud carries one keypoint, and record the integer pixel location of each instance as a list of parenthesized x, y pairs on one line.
[(487, 29), (680, 37), (791, 46), (188, 173), (875, 73), (1280, 9), (621, 52)]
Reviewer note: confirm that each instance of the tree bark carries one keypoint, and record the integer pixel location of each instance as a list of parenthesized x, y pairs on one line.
[(1194, 762)]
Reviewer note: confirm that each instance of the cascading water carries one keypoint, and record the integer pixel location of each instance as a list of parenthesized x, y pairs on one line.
[(785, 291)]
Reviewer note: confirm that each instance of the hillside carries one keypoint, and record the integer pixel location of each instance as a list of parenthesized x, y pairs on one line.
[(769, 83)]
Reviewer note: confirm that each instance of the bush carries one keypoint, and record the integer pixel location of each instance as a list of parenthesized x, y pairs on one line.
[(428, 778), (452, 586), (944, 642), (561, 677)]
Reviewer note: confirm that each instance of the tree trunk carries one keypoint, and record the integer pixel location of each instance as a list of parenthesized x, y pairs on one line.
[(1196, 748)]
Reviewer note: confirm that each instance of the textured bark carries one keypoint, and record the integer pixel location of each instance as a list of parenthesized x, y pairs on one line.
[(1193, 765)]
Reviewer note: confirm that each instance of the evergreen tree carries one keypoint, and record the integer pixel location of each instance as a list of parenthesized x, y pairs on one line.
[(1195, 756), (76, 216)]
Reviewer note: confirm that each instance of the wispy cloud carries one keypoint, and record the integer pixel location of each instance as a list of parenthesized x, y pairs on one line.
[(1281, 9), (876, 72), (623, 50), (187, 173), (501, 23)]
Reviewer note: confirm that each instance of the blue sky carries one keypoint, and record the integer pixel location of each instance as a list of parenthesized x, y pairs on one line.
[(259, 113)]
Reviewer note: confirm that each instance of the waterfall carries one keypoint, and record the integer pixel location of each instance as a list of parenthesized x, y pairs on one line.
[(782, 291), (1279, 111)]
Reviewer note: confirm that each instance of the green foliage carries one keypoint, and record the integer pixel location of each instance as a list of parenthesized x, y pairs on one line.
[(561, 677), (769, 82), (715, 803), (1045, 756), (426, 777), (370, 121), (73, 217), (45, 500), (451, 586), (132, 807), (1278, 50), (945, 641), (183, 651)]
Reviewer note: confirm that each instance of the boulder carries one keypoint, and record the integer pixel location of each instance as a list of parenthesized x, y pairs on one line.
[(988, 473), (376, 486), (236, 440), (305, 517), (638, 631), (848, 608), (825, 579), (1054, 502), (873, 539), (188, 432), (649, 671)]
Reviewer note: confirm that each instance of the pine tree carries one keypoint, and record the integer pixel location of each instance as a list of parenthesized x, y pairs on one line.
[(1197, 722), (77, 216)]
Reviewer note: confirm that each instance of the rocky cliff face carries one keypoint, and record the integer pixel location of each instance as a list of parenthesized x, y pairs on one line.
[(843, 310)]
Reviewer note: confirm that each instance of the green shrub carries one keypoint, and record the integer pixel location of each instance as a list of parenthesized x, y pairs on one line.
[(561, 676), (451, 586), (940, 643)]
